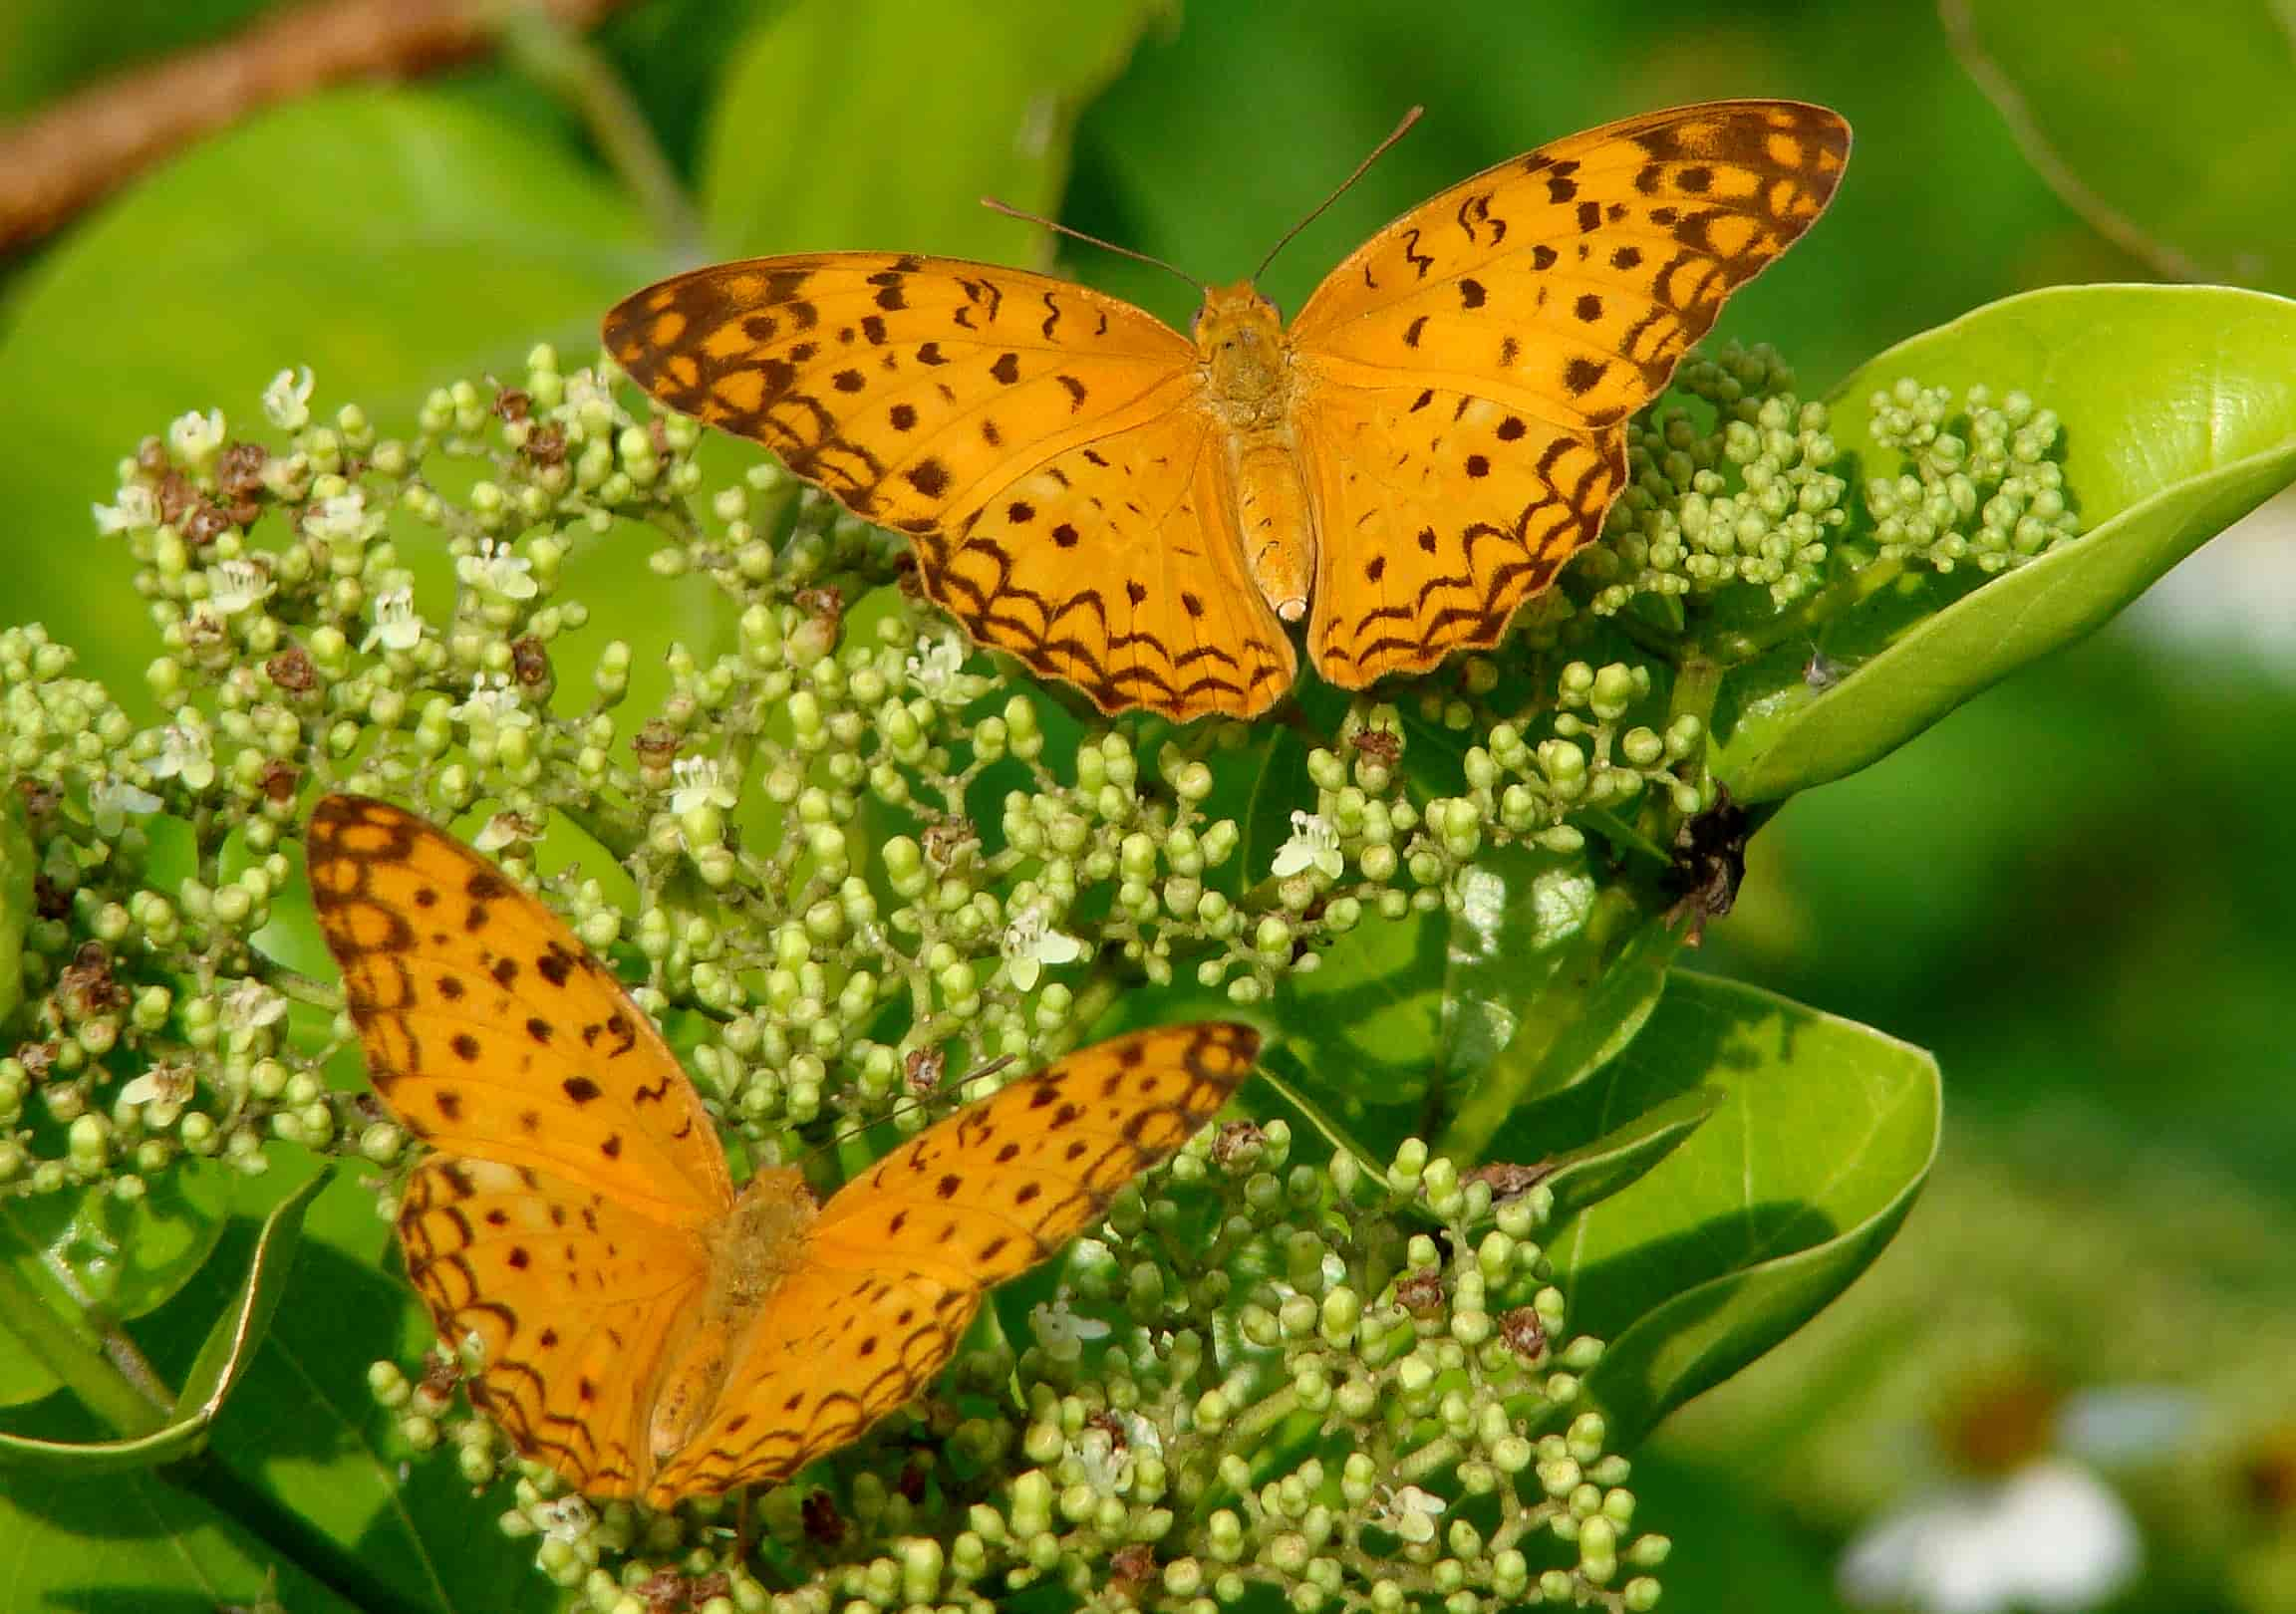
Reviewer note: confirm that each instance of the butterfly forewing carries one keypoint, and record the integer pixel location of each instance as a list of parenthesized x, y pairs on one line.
[(490, 1030), (915, 389)]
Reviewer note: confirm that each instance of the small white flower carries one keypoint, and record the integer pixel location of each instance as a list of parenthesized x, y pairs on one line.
[(1410, 1512), (493, 703), (397, 626), (137, 511), (287, 401), (1030, 946), (162, 1092), (584, 390), (495, 570), (1107, 1456), (937, 671), (700, 783), (1062, 1332), (111, 802), (183, 752), (2049, 1536), (343, 518), (251, 1005), (1314, 844), (569, 1519), (234, 584), (502, 830), (195, 437)]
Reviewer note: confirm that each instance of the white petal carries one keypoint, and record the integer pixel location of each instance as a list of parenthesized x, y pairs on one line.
[(2076, 1543)]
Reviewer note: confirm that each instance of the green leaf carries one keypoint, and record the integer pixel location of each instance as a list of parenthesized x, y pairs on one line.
[(2206, 193), (73, 1261), (1594, 1171), (2179, 405), (18, 857), (222, 1361), (1548, 977), (132, 1542), (230, 1346), (957, 101), (1748, 1228)]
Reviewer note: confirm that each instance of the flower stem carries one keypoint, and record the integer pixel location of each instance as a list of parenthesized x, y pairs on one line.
[(563, 61), (57, 1330)]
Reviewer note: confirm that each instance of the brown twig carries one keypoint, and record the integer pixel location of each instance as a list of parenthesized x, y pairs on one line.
[(90, 143)]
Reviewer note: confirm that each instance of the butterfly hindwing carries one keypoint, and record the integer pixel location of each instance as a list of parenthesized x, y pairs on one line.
[(1117, 564), (1432, 534), (896, 1264), (570, 1298), (835, 1349)]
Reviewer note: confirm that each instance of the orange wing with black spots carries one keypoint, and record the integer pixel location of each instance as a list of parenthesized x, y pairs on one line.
[(636, 1326), (1468, 372), (897, 1260), (1051, 449), (573, 1300), (1438, 432), (492, 1031)]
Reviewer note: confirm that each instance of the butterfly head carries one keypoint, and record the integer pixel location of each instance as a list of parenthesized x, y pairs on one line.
[(1240, 339)]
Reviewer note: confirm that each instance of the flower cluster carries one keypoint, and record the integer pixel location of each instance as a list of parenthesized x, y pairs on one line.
[(863, 853), (1353, 1387), (1756, 503)]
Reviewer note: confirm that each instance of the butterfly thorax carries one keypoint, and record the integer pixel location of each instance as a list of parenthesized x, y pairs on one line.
[(1248, 376), (1240, 339), (749, 1250)]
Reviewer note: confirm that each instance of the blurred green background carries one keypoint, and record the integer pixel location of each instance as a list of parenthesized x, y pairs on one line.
[(2073, 891)]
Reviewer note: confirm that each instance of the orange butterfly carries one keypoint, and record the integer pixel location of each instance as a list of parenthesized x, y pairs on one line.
[(646, 1331), (1440, 429)]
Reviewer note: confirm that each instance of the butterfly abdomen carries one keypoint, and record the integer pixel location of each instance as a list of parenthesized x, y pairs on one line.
[(1249, 379), (750, 1250), (1279, 524)]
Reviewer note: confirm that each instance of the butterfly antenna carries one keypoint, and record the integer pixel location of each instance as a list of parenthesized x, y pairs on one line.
[(1378, 151), (1058, 228)]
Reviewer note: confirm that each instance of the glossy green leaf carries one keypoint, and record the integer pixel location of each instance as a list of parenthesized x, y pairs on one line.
[(127, 1257), (1594, 1171), (1749, 1226), (224, 1359), (132, 1542), (2208, 192), (957, 103), (2179, 405), (1548, 977), (230, 1346)]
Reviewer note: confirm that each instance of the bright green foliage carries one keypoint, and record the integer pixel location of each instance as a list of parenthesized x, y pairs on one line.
[(867, 860)]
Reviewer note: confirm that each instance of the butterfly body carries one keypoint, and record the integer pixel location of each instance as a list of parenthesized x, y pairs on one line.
[(636, 1324), (747, 1254), (1247, 384), (1141, 514)]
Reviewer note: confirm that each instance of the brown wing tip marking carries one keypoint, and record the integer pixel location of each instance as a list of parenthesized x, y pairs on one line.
[(1073, 639), (783, 1444)]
